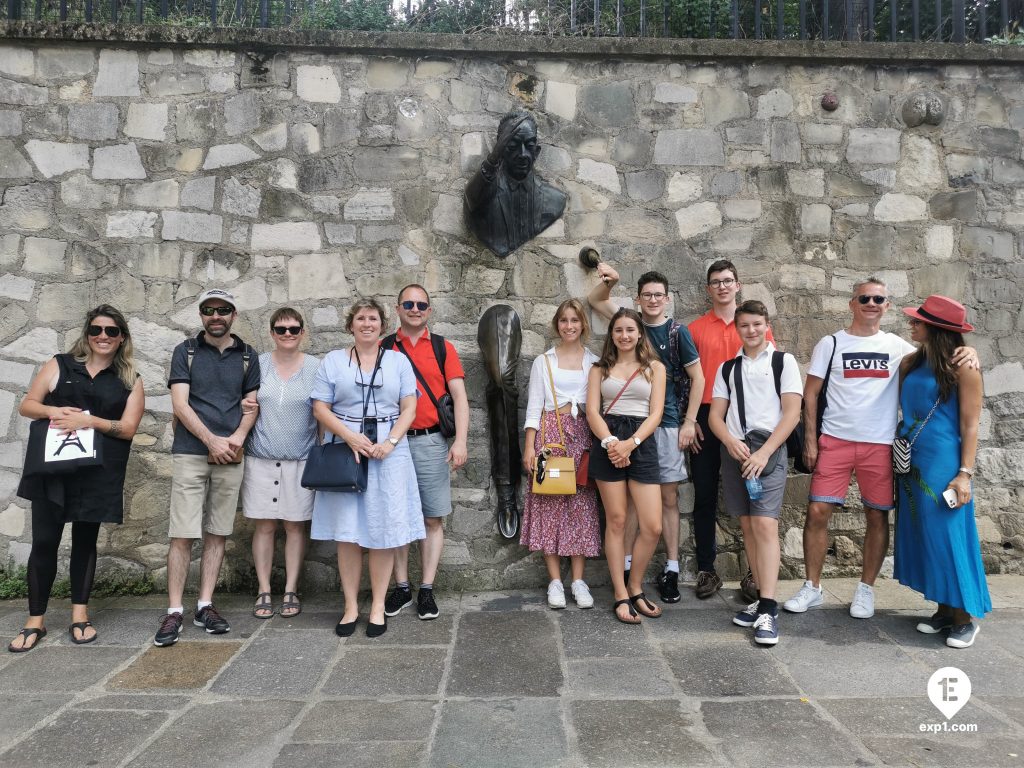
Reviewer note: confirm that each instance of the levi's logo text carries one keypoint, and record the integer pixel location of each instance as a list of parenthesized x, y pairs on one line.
[(861, 365)]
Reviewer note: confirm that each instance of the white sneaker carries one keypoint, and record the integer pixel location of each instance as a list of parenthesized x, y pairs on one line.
[(580, 593), (863, 605), (808, 597), (556, 595)]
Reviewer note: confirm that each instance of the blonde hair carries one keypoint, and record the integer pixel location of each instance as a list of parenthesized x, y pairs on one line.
[(124, 358), (576, 306)]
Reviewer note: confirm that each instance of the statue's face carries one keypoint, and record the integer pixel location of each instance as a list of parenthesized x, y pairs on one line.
[(522, 149)]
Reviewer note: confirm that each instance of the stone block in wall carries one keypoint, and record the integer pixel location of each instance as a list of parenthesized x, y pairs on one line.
[(821, 133), (898, 207), (295, 237), (785, 142), (156, 194), (816, 220), (10, 122), (65, 63), (939, 242), (689, 146), (949, 279), (192, 227), (896, 281), (174, 84), (387, 163), (724, 104), (802, 277), (920, 166), (304, 138), (683, 188), (873, 146), (199, 193), (93, 121), (37, 345), (241, 113), (55, 298), (19, 374), (698, 219), (55, 158), (226, 155), (19, 62), (609, 104), (317, 276), (774, 103), (17, 287), (980, 243), (560, 99), (600, 174), (1007, 171), (1004, 378), (733, 240), (742, 209), (645, 186), (240, 199), (726, 183), (130, 224), (749, 133), (370, 205), (387, 73), (881, 177), (118, 74), (13, 164), (632, 147), (21, 94), (871, 246), (146, 121), (29, 207), (447, 216), (274, 139), (120, 161), (317, 84), (807, 183), (954, 205), (674, 93), (44, 255)]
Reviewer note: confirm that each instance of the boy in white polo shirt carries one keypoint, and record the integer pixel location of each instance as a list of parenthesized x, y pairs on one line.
[(755, 405)]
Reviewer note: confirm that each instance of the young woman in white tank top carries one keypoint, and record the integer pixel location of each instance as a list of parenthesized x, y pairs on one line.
[(625, 400)]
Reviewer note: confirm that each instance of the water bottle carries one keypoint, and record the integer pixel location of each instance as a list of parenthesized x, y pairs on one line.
[(754, 488)]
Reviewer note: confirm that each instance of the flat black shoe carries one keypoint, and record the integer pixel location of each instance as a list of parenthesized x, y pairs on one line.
[(376, 630), (346, 629)]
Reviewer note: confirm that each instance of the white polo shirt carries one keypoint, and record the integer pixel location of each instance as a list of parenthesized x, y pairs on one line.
[(763, 406)]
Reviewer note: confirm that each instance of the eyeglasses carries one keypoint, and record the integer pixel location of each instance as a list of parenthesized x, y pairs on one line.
[(724, 283), (653, 296), (112, 331), (876, 299), (422, 306), (282, 330), (211, 311)]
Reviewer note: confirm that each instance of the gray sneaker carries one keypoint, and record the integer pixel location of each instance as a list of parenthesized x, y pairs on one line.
[(963, 635), (935, 624)]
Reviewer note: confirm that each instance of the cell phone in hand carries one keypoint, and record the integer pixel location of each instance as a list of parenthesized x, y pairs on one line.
[(950, 496)]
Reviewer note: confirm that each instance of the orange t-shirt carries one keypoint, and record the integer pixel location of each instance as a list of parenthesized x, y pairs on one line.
[(716, 342), (422, 355)]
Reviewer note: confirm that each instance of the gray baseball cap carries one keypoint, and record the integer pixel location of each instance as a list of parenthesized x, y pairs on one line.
[(218, 293)]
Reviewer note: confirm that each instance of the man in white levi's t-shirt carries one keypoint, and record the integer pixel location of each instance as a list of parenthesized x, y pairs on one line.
[(857, 430)]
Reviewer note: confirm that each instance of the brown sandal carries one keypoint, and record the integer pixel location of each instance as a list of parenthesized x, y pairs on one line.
[(645, 606), (634, 619), (264, 608), (293, 606)]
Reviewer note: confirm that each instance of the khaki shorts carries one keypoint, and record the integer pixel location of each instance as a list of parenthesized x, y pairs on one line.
[(204, 497)]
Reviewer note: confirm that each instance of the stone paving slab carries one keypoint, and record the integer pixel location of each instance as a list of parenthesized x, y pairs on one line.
[(618, 677), (407, 629), (50, 669), (598, 634), (887, 717), (1011, 708), (178, 667), (727, 670), (140, 702), (353, 755), (387, 671), (94, 737), (278, 663), (367, 720), (21, 711), (943, 752)]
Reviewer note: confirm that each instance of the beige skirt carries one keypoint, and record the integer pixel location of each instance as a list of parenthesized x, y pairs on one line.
[(272, 490)]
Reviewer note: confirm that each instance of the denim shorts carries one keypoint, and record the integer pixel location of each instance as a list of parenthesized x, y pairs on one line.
[(643, 462)]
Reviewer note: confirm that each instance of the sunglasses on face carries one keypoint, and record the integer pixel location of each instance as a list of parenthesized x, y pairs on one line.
[(211, 311), (422, 306), (876, 299), (282, 330), (112, 331)]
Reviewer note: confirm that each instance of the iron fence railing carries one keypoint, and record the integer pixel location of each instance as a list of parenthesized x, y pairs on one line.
[(956, 21)]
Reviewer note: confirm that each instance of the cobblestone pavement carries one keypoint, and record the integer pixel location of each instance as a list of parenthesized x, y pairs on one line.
[(501, 680)]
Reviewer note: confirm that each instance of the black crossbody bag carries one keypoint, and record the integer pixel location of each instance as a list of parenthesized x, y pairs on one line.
[(444, 404)]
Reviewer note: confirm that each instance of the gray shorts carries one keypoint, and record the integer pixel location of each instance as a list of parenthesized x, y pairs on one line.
[(671, 460), (433, 476), (734, 488)]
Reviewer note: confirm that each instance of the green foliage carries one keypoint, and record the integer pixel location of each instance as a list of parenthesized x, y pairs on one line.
[(1010, 36), (365, 15), (13, 585)]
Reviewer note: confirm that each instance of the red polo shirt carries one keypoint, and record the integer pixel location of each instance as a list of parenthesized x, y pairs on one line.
[(716, 342), (422, 355)]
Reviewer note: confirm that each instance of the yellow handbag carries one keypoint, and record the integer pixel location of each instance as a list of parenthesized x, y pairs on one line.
[(553, 475)]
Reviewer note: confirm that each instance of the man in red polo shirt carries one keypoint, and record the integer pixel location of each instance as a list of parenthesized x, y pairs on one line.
[(431, 455), (716, 339)]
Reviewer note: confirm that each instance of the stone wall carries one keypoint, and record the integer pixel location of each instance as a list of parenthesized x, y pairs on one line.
[(140, 173)]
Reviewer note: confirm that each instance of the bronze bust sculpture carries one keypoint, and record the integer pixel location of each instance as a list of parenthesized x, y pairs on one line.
[(505, 203)]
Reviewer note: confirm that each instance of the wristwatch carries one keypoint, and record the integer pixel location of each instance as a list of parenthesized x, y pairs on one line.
[(636, 441), (393, 441)]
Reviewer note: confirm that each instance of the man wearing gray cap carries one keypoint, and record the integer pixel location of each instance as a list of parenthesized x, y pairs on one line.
[(211, 374)]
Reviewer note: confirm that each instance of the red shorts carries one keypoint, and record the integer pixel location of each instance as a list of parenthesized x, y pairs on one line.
[(838, 459)]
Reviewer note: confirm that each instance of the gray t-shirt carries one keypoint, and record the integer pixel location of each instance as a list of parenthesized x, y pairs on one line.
[(216, 387)]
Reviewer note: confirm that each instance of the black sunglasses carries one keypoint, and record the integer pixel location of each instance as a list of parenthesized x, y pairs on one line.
[(211, 311), (542, 464), (112, 331), (282, 330), (422, 306), (876, 299)]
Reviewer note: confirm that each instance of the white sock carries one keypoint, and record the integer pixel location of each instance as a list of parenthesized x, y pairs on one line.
[(672, 565), (629, 562), (178, 609), (200, 604)]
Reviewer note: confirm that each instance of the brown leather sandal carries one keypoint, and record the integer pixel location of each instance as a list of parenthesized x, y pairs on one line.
[(634, 619), (645, 606)]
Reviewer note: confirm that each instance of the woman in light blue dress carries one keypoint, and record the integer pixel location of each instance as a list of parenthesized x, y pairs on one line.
[(387, 514), (937, 552)]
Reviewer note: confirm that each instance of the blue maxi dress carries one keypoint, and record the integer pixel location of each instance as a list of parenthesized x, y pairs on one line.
[(937, 552), (388, 514)]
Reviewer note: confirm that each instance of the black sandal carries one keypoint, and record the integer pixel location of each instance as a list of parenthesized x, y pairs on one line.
[(26, 633), (632, 611), (290, 604), (652, 611), (81, 627), (263, 603)]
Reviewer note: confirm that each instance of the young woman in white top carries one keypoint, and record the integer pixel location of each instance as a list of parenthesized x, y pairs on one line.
[(625, 401), (562, 526)]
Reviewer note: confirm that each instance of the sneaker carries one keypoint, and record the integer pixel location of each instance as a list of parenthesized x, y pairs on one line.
[(808, 597), (581, 594), (211, 621), (766, 629), (668, 586), (708, 582), (170, 629), (397, 599), (962, 635), (863, 605), (747, 617), (426, 608), (748, 587), (935, 624), (556, 595)]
